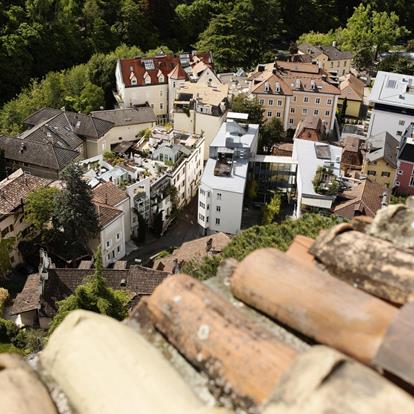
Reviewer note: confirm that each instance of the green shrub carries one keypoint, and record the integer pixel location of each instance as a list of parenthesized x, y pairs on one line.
[(8, 330)]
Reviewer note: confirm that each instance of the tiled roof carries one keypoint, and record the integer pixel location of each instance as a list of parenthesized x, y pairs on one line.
[(139, 280), (269, 81), (40, 116), (193, 250), (37, 153), (364, 198), (323, 328), (178, 73), (16, 188), (67, 124), (127, 116), (106, 213), (29, 298), (351, 143), (332, 52), (384, 146), (108, 193), (208, 95), (153, 67), (310, 76), (352, 88)]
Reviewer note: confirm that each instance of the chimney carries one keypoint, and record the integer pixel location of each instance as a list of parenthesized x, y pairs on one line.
[(334, 43)]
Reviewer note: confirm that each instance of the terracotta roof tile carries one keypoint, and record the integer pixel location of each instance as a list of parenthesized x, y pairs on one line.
[(16, 188), (109, 194), (29, 298)]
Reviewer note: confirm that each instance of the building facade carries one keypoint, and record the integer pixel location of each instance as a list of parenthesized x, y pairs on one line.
[(222, 188), (392, 102), (291, 91), (404, 179)]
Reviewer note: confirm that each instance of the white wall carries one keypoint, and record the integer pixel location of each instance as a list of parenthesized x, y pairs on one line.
[(153, 94), (387, 121), (230, 214), (116, 248), (198, 123), (173, 86)]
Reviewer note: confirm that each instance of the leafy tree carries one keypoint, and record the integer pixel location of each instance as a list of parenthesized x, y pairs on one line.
[(398, 64), (318, 39), (410, 46), (271, 132), (252, 189), (272, 209), (74, 210), (369, 33), (6, 246), (243, 103), (94, 296), (277, 235), (39, 206)]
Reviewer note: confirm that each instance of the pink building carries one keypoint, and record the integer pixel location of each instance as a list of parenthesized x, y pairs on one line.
[(404, 179)]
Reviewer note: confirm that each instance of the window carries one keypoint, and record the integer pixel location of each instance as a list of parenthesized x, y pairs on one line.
[(411, 184), (108, 243), (327, 113), (118, 249), (269, 114), (147, 80), (329, 101), (294, 99), (218, 209), (161, 80), (161, 93), (109, 256), (399, 133), (202, 192), (401, 122), (291, 121), (371, 172), (161, 106), (173, 84), (318, 100), (316, 112), (118, 236), (270, 102), (218, 196), (278, 114), (385, 174), (305, 99), (202, 205), (292, 110), (400, 172), (279, 103), (133, 81), (261, 101), (201, 217), (304, 111), (218, 221)]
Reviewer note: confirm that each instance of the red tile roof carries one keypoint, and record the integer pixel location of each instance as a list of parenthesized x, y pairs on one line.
[(108, 193), (154, 67)]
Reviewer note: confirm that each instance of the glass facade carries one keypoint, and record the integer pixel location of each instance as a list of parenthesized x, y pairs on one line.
[(272, 177)]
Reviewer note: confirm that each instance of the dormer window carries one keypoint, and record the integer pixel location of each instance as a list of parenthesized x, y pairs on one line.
[(147, 78), (161, 78), (133, 81)]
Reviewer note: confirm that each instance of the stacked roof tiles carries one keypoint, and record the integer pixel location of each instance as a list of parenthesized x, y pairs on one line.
[(325, 328)]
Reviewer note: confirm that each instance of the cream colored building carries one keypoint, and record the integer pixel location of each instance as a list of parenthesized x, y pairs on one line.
[(291, 91), (331, 59), (200, 109), (13, 192), (153, 81)]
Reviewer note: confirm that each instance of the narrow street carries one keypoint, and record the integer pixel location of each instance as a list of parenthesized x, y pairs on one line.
[(184, 228)]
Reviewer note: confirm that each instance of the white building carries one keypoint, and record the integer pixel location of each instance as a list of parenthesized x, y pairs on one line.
[(221, 193), (145, 177), (392, 101), (310, 156), (146, 81)]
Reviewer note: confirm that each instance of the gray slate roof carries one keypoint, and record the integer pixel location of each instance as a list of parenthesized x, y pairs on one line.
[(383, 145), (128, 116), (37, 153), (332, 52), (83, 125)]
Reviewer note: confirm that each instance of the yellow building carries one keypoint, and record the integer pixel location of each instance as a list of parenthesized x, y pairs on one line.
[(380, 163), (352, 90), (332, 60)]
